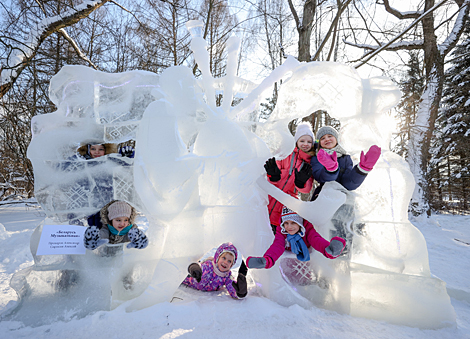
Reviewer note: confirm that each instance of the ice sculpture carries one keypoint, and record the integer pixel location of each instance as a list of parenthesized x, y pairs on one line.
[(195, 177), (386, 276)]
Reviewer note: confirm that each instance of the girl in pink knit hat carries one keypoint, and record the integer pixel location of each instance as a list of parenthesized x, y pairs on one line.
[(292, 174)]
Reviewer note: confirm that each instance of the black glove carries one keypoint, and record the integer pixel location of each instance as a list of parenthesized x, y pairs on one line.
[(240, 286), (274, 173), (243, 269), (303, 175), (127, 151), (195, 271)]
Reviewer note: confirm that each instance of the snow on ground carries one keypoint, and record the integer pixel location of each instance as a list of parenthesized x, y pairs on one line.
[(212, 315)]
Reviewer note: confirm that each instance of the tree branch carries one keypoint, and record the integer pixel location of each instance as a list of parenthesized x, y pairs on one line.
[(17, 63), (332, 26), (294, 13), (400, 15), (407, 45), (457, 30), (414, 23)]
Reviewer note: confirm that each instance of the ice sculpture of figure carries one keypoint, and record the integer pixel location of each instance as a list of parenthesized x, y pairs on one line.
[(194, 174), (196, 168)]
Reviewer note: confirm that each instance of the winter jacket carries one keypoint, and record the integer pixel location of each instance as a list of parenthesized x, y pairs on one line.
[(286, 184), (347, 175), (212, 279), (309, 235)]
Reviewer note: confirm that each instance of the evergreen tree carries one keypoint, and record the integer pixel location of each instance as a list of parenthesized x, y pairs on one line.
[(450, 152), (412, 86)]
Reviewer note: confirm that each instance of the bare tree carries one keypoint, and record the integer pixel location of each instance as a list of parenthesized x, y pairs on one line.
[(434, 55)]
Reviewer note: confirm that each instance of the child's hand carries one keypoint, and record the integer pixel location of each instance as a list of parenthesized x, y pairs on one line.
[(91, 238), (302, 176), (127, 151), (274, 173), (256, 262), (195, 271), (138, 239), (243, 269), (330, 162), (240, 286), (369, 159), (335, 248)]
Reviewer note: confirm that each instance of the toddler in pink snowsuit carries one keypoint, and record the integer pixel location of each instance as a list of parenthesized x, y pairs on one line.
[(215, 273), (297, 235)]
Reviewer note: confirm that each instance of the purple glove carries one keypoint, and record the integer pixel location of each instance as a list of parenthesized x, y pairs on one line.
[(330, 162), (369, 159)]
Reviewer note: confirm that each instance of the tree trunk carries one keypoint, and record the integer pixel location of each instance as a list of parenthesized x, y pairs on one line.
[(420, 140), (305, 30)]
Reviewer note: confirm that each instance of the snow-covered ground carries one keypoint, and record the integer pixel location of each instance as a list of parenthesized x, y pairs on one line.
[(217, 315)]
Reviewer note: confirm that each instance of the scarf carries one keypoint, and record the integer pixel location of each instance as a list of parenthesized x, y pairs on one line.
[(114, 231), (297, 245), (338, 149)]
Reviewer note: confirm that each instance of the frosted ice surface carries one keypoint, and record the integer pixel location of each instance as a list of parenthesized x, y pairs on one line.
[(195, 174)]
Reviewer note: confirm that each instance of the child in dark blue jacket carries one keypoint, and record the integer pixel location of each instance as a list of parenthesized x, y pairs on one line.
[(332, 163)]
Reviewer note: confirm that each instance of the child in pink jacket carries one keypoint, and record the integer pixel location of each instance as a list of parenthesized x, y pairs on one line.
[(297, 235), (292, 174)]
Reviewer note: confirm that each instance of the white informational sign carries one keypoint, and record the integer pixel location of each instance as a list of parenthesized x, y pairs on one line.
[(61, 239)]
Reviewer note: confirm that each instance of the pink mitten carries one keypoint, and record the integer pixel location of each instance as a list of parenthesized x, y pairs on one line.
[(369, 159), (329, 161)]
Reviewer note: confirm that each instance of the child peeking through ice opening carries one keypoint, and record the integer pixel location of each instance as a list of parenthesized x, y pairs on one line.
[(117, 220), (298, 235), (213, 273)]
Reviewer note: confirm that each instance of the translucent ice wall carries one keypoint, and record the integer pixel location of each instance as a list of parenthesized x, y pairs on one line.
[(92, 107), (387, 276)]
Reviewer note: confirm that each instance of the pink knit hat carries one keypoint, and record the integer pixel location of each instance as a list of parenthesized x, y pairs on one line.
[(119, 209)]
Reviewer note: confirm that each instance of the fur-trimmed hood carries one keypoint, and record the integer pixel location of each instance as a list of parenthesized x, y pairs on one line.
[(104, 214), (108, 148)]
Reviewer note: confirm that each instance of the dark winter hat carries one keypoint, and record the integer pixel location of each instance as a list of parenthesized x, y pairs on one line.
[(119, 209), (303, 129), (327, 130), (288, 214)]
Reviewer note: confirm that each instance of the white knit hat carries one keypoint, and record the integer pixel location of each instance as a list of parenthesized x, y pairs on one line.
[(303, 128), (288, 214), (119, 209)]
